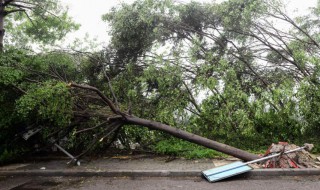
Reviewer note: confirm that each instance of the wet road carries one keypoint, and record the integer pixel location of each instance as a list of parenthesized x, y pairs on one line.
[(99, 183)]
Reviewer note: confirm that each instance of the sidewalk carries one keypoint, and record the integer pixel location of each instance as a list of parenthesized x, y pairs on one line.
[(137, 166)]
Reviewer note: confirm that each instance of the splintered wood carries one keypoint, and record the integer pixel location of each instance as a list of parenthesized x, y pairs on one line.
[(299, 159)]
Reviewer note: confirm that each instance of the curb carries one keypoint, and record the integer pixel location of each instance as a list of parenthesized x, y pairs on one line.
[(260, 173), (117, 173)]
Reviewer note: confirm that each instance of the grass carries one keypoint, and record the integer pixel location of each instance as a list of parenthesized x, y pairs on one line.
[(181, 148)]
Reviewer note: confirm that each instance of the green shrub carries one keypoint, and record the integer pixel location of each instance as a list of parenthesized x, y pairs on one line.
[(178, 147)]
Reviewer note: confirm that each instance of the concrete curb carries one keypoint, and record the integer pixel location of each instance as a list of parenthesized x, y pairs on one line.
[(117, 173), (260, 173)]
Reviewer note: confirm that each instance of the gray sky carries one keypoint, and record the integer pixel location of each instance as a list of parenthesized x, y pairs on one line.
[(88, 14)]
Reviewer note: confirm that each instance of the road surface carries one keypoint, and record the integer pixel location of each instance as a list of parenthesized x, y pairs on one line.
[(102, 183)]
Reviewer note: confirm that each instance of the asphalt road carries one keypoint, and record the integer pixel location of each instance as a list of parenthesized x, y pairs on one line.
[(99, 183)]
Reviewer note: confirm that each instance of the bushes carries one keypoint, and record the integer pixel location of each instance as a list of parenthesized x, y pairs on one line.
[(30, 98), (178, 147)]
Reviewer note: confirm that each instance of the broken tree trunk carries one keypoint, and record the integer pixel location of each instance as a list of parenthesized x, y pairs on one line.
[(193, 138), (125, 118)]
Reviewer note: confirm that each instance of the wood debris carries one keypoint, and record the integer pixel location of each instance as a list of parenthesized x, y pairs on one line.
[(299, 159)]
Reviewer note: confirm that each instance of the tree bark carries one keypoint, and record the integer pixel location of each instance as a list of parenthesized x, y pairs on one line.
[(246, 156), (1, 24)]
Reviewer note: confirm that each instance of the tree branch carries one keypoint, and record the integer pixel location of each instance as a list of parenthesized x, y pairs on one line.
[(13, 11), (20, 6), (107, 100), (192, 99), (114, 127), (91, 128)]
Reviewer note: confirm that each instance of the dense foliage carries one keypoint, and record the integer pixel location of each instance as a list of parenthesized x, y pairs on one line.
[(28, 21), (229, 72)]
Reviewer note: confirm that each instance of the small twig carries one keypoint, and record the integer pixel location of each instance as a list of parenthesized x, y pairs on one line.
[(91, 128)]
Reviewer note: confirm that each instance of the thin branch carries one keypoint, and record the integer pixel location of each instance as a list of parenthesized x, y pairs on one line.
[(19, 89), (91, 128), (289, 20), (13, 11), (20, 6), (111, 89), (107, 100), (31, 80), (192, 111), (115, 127), (192, 99), (29, 18)]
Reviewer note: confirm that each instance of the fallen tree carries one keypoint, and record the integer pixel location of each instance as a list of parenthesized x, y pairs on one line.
[(120, 118), (41, 99), (206, 52)]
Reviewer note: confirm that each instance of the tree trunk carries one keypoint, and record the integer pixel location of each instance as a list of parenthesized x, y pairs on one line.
[(246, 156), (129, 119), (1, 24)]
